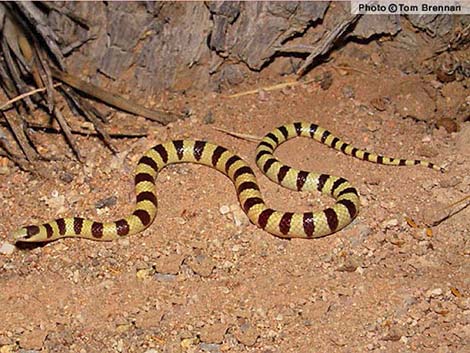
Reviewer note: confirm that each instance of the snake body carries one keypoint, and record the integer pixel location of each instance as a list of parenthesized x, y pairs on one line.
[(282, 224)]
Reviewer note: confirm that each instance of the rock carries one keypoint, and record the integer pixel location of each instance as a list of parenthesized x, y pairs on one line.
[(349, 264), (210, 347), (107, 202), (224, 209), (380, 103), (393, 222), (165, 278), (148, 319), (427, 151), (169, 264), (144, 273), (433, 293), (33, 339), (348, 92), (240, 218), (209, 118), (412, 99), (326, 80), (202, 265), (7, 248), (449, 124), (214, 333), (246, 335)]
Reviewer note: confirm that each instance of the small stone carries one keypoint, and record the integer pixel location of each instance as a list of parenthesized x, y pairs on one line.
[(348, 92), (148, 319), (209, 118), (144, 273), (187, 343), (169, 264), (7, 248), (348, 265), (394, 334), (380, 103), (202, 265), (33, 339), (107, 202), (262, 95), (390, 223), (376, 58), (10, 348), (240, 218), (449, 182), (66, 177), (214, 333), (326, 80), (427, 151), (448, 124), (224, 209), (165, 278), (246, 335), (434, 293), (210, 347)]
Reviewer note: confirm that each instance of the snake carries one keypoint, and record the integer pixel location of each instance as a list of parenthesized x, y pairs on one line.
[(279, 223)]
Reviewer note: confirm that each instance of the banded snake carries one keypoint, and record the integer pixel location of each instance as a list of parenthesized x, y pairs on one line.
[(282, 224)]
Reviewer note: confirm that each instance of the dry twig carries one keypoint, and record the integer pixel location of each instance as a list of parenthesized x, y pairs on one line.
[(247, 137), (270, 88)]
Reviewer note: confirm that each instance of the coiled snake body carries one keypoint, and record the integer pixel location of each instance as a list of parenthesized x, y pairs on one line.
[(282, 224)]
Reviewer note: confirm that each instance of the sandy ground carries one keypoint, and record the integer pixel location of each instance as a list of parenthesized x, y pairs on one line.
[(203, 279)]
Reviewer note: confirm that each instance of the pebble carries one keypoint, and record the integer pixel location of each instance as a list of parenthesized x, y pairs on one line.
[(263, 95), (214, 333), (210, 347), (380, 103), (169, 264), (326, 80), (224, 209), (246, 335), (165, 278), (348, 92), (240, 218), (187, 343), (450, 182), (7, 248), (144, 273), (434, 293), (393, 222), (66, 177), (202, 265), (107, 202), (209, 118), (33, 339)]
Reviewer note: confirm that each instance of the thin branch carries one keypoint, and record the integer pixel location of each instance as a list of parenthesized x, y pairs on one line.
[(7, 104), (16, 127), (112, 99), (68, 134), (270, 88), (247, 137)]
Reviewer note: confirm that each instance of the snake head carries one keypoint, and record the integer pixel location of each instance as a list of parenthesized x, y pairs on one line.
[(26, 234)]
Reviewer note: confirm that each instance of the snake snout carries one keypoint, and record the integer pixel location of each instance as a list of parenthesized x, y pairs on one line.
[(21, 235)]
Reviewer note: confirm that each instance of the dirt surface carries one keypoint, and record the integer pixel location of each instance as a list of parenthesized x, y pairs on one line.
[(203, 279)]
